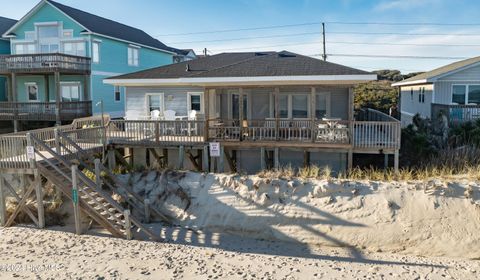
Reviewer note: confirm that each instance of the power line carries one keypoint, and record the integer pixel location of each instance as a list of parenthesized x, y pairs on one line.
[(404, 44), (319, 23), (394, 56), (248, 38), (402, 34)]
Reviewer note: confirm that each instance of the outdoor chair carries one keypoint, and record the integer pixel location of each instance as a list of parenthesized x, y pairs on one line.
[(169, 126), (190, 127)]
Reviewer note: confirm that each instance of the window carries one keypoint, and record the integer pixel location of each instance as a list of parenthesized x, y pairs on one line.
[(70, 91), (474, 94), (96, 52), (73, 48), (411, 94), (155, 102), (235, 111), (48, 31), (32, 91), (132, 56), (294, 106), (459, 93), (195, 102), (321, 105), (117, 95), (421, 95), (24, 48)]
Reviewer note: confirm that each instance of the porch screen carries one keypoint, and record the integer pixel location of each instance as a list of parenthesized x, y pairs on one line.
[(299, 106), (283, 105), (474, 94), (321, 106), (235, 107)]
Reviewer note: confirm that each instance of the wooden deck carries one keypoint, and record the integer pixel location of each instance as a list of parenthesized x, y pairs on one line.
[(45, 63), (44, 111), (456, 114)]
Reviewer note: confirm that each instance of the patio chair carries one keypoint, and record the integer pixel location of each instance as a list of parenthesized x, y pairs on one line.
[(169, 115), (190, 127), (155, 115)]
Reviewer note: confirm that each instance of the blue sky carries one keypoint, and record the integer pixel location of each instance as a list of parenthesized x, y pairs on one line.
[(162, 17)]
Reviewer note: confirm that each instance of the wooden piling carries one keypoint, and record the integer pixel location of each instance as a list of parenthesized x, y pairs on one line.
[(75, 199)]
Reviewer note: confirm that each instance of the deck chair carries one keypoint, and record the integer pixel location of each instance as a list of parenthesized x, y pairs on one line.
[(155, 115), (190, 127), (169, 115)]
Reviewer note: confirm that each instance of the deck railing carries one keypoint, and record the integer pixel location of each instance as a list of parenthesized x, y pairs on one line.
[(44, 63), (458, 113), (376, 130), (44, 111)]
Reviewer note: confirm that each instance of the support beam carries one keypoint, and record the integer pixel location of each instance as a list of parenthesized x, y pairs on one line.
[(306, 158), (276, 100), (230, 160), (75, 200), (128, 224), (3, 209), (98, 178), (39, 194), (165, 157), (14, 99), (205, 159), (12, 191), (262, 159), (112, 164), (350, 159), (276, 161), (396, 160), (181, 157), (86, 87), (58, 98), (47, 88), (193, 160), (221, 161), (20, 205), (385, 161)]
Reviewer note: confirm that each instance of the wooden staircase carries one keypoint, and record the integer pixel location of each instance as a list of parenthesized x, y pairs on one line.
[(55, 164)]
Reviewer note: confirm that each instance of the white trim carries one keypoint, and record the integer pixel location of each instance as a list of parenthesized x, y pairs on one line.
[(189, 101), (416, 82), (46, 23), (130, 42), (134, 46), (96, 61), (103, 73), (433, 93), (260, 80), (27, 84), (97, 40)]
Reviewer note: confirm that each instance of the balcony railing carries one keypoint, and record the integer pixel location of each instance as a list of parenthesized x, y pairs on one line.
[(458, 113), (44, 111), (45, 63)]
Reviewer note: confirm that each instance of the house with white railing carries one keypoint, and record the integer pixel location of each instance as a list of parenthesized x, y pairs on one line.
[(452, 91), (265, 109)]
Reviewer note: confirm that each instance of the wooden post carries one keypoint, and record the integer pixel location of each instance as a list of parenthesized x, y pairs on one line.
[(350, 159), (396, 160), (181, 156), (276, 98), (165, 157), (112, 164), (98, 178), (57, 142), (86, 87), (58, 98), (313, 113), (276, 162), (14, 99), (262, 158), (351, 105), (3, 211), (75, 199), (205, 159), (39, 195), (146, 202), (47, 88), (221, 160), (240, 112), (385, 161), (206, 104), (306, 158), (128, 225)]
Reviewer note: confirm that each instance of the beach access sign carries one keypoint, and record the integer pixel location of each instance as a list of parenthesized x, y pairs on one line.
[(215, 149), (30, 152)]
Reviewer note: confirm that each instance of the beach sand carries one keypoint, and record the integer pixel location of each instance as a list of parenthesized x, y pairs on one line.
[(28, 253)]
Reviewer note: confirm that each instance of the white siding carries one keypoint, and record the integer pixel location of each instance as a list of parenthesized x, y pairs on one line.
[(469, 74), (410, 104), (174, 99)]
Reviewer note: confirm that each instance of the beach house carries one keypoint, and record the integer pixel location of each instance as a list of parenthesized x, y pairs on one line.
[(59, 57), (452, 91), (265, 109)]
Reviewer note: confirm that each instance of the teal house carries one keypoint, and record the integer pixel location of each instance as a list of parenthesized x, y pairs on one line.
[(57, 57), (5, 24)]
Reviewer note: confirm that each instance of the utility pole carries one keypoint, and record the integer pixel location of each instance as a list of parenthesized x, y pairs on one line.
[(324, 48), (205, 53)]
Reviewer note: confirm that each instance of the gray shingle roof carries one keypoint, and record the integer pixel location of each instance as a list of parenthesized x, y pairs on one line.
[(442, 70), (6, 23), (112, 28), (247, 64)]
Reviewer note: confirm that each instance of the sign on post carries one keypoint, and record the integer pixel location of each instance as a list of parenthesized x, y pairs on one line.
[(215, 149), (30, 152)]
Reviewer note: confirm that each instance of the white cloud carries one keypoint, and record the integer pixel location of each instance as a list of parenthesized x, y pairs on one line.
[(401, 4)]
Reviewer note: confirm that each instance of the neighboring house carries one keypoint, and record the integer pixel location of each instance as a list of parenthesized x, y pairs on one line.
[(59, 57), (267, 109), (5, 24), (452, 90)]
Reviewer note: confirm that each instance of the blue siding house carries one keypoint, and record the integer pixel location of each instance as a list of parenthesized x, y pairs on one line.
[(59, 57), (5, 24)]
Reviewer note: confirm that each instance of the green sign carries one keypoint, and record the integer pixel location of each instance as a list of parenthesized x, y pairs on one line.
[(75, 196)]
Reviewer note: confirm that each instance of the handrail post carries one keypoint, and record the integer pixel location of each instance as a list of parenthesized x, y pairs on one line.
[(98, 178), (157, 131), (128, 225), (75, 200), (57, 141), (206, 128)]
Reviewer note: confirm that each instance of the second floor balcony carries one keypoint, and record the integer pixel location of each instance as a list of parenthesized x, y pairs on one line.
[(45, 63)]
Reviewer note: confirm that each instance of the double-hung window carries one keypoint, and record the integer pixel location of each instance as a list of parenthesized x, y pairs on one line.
[(117, 95), (459, 94), (48, 37), (70, 91), (133, 56), (474, 94), (195, 102), (154, 102)]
